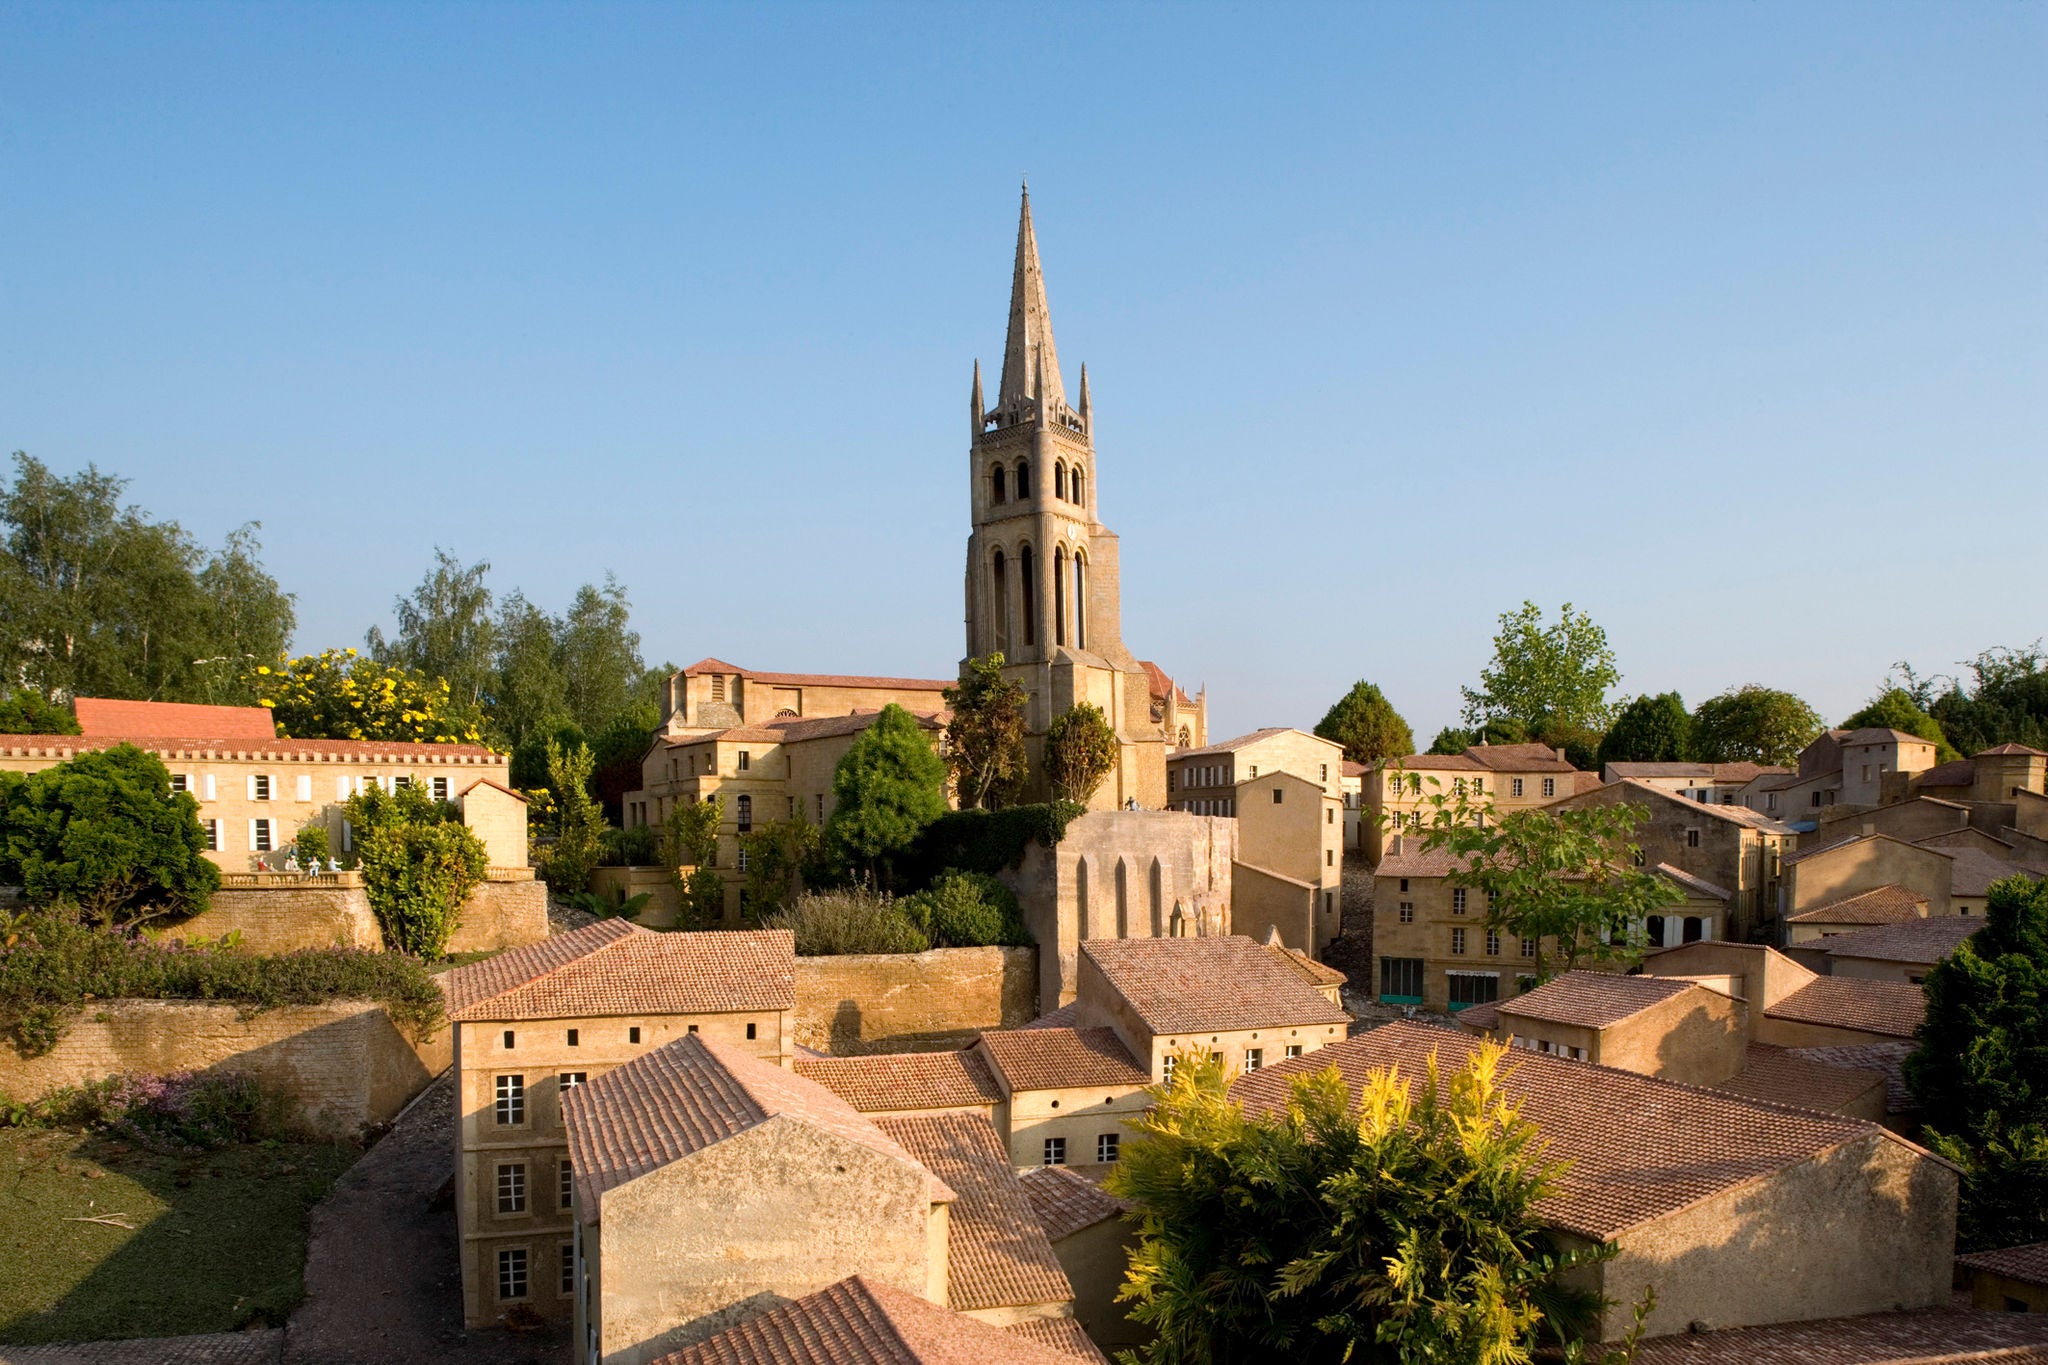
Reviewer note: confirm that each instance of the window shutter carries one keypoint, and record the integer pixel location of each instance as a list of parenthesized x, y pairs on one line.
[(252, 835), (209, 787), (252, 786), (341, 786), (305, 787)]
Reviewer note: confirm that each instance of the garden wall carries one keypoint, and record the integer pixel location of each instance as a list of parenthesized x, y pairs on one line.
[(280, 912), (887, 1001), (342, 1065), (508, 910)]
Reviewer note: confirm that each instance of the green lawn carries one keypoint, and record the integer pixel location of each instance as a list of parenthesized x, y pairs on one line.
[(218, 1239)]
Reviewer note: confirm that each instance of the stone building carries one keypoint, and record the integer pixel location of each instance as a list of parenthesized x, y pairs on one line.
[(2008, 1280), (1085, 1224), (1790, 1005), (530, 1026), (1715, 784), (1905, 951), (1043, 577), (1737, 1211), (1354, 803), (256, 792), (1399, 795)]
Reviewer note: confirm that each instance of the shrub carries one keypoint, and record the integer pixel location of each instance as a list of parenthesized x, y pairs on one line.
[(853, 920), (985, 841), (637, 846), (703, 899), (180, 1112), (419, 864), (312, 843), (105, 833), (1080, 751), (889, 785), (967, 910), (579, 827), (53, 965)]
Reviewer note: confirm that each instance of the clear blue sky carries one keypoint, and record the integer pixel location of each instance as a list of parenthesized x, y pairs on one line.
[(1728, 323)]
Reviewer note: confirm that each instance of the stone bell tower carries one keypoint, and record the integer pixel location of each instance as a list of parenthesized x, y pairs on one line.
[(1042, 571)]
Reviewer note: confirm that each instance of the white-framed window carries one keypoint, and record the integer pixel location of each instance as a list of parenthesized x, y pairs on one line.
[(746, 760), (1493, 943), (1692, 838), (212, 828), (180, 782), (511, 1187), (569, 1080), (401, 780), (341, 787), (1528, 947), (1107, 1148), (1457, 942), (1254, 1058), (512, 1273), (1457, 900), (1479, 786), (1407, 912), (1458, 785), (1055, 1151), (1166, 1070), (511, 1101), (1294, 1049), (440, 789), (259, 836), (259, 786), (1514, 786), (1550, 786), (743, 857)]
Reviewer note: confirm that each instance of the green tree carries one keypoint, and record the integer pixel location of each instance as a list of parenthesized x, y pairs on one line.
[(1368, 726), (967, 910), (339, 694), (985, 736), (1402, 1228), (1546, 676), (689, 836), (1567, 876), (530, 694), (1893, 708), (445, 629), (1080, 751), (104, 832), (1753, 724), (1452, 739), (419, 864), (1980, 1071), (1650, 729), (579, 825), (779, 854), (23, 712), (2005, 700), (600, 656), (890, 784), (703, 899), (101, 601)]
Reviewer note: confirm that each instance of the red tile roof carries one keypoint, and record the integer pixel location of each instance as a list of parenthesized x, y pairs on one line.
[(997, 1255), (1059, 1334), (1888, 904), (308, 750), (1063, 1059), (1413, 860), (686, 1096), (1637, 1148), (1066, 1202), (1203, 985), (860, 1321), (105, 718), (906, 1080), (1593, 999), (1888, 1059), (821, 679), (2027, 1264), (1915, 942), (1784, 1077), (2009, 749), (1891, 1008), (615, 968), (1929, 1337)]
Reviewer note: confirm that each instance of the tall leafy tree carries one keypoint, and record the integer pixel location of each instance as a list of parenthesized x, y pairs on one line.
[(530, 694), (419, 863), (1546, 676), (339, 694), (1367, 725), (2004, 700), (1080, 750), (1650, 729), (23, 712), (445, 628), (599, 655), (888, 787), (1401, 1228), (1893, 708), (1752, 723), (578, 823), (1981, 1069), (1453, 739), (985, 736)]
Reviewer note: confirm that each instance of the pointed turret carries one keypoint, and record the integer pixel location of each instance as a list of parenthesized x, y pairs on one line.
[(1031, 366), (975, 417), (1084, 391)]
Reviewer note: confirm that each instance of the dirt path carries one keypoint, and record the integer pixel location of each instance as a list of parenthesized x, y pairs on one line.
[(383, 1282)]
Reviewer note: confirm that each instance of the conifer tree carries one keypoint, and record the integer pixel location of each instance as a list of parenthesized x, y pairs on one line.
[(888, 787)]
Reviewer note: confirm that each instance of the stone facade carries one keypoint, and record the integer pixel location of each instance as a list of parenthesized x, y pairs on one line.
[(1504, 777), (884, 1002), (343, 1066), (282, 912), (1733, 847)]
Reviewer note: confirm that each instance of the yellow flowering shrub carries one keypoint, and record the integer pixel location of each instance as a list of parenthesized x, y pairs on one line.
[(338, 694)]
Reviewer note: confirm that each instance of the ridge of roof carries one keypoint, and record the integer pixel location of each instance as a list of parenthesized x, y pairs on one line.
[(616, 967), (710, 665), (1890, 1008), (1594, 999), (1887, 904), (176, 746), (1243, 741), (1067, 1201), (1036, 1058), (884, 1081)]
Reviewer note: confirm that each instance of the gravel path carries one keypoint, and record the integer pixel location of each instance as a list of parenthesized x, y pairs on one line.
[(383, 1282)]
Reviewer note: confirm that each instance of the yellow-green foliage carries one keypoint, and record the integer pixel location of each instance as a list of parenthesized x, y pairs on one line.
[(338, 694)]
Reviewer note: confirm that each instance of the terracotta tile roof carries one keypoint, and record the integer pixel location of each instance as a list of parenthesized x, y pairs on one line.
[(2027, 1264), (614, 967), (2009, 749), (1878, 734), (1063, 1058), (518, 796), (686, 1096), (1638, 1148), (821, 679), (1887, 904), (1736, 815), (1066, 1202), (1975, 870), (312, 750), (1314, 972), (1959, 772), (1485, 1017), (1892, 1008), (1462, 763), (1593, 999), (1805, 850), (1059, 1334), (1190, 985), (1587, 782), (1917, 941), (797, 729), (997, 1255), (1929, 1337), (1687, 881), (1066, 1016), (1246, 741), (1617, 771), (1889, 1059), (1783, 1076), (860, 1321), (1351, 769), (1415, 861), (1519, 758), (104, 717), (906, 1080)]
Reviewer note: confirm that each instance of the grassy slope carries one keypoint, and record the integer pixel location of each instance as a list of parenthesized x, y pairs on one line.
[(219, 1240)]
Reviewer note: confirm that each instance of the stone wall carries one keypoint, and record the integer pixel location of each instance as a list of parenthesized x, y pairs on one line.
[(504, 912), (342, 1065), (883, 1002), (281, 913)]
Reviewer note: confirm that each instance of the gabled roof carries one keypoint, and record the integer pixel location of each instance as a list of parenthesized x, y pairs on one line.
[(1229, 746), (906, 1080), (1202, 985), (1617, 771), (1063, 1058), (860, 1321), (1700, 885), (2028, 1264), (1731, 814), (1593, 999), (1889, 1059), (1975, 870), (1784, 1077), (1519, 758), (797, 729), (1802, 854), (1960, 772), (1161, 686), (997, 1255), (1887, 904), (1635, 1148), (1931, 1336), (692, 1094), (2000, 749), (1915, 942), (1067, 1201), (614, 968), (518, 796), (1420, 862), (1891, 1008), (820, 679), (106, 718), (1878, 734), (1351, 769)]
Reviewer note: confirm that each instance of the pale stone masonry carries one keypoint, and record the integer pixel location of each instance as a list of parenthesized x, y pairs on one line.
[(1399, 795)]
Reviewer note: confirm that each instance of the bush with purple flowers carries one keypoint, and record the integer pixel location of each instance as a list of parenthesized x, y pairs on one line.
[(181, 1112)]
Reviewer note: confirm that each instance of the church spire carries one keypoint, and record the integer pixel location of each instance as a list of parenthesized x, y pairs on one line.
[(1031, 366)]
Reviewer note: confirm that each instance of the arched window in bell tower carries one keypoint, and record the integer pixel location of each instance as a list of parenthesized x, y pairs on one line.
[(1080, 598), (1028, 593), (999, 590), (1023, 480), (1059, 595), (1078, 487), (996, 479), (1059, 480)]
